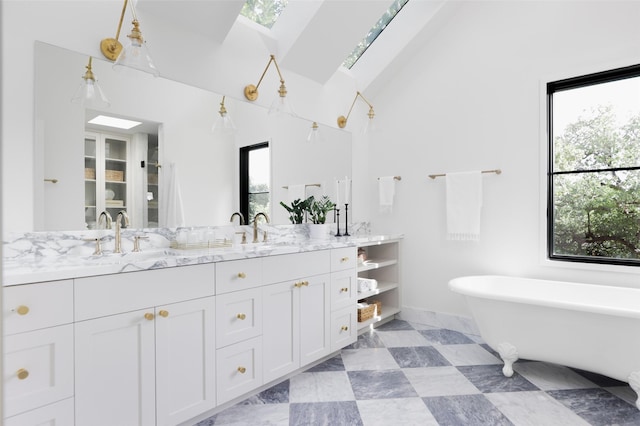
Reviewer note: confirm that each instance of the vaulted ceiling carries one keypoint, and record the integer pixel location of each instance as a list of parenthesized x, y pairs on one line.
[(312, 37)]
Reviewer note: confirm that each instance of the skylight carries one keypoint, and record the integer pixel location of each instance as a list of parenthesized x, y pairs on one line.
[(263, 12), (374, 32), (119, 123)]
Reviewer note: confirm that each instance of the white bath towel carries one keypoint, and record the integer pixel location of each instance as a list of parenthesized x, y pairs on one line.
[(296, 192), (464, 204), (386, 192), (173, 209)]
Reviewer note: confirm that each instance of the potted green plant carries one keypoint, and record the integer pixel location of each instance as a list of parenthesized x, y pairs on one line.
[(318, 210), (297, 209)]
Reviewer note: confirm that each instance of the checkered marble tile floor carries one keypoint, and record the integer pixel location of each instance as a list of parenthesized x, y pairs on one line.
[(409, 374)]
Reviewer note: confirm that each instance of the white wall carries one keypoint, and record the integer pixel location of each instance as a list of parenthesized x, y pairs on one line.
[(472, 99)]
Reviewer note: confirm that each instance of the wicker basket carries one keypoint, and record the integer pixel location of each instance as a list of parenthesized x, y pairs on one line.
[(378, 305), (114, 175), (366, 313), (89, 173)]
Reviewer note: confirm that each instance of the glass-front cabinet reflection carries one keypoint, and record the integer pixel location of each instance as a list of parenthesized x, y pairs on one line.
[(107, 168)]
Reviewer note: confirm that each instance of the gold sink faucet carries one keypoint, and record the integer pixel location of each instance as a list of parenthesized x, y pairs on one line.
[(121, 214), (107, 218), (240, 216), (255, 226)]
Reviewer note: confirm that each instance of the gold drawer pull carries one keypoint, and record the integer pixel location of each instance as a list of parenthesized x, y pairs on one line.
[(22, 310), (22, 374), (241, 316), (148, 316), (242, 275), (344, 259), (297, 285), (344, 328), (344, 290), (305, 283), (242, 370), (163, 313)]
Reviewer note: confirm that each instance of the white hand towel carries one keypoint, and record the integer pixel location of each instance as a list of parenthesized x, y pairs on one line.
[(173, 210), (464, 204), (386, 191), (296, 192)]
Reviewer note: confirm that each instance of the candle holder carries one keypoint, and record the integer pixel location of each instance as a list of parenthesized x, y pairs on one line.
[(346, 220), (338, 234)]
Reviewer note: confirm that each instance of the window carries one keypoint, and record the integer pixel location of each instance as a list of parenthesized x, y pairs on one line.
[(255, 172), (263, 12), (374, 32), (594, 168)]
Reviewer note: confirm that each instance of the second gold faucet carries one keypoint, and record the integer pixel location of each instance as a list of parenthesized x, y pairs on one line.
[(255, 226)]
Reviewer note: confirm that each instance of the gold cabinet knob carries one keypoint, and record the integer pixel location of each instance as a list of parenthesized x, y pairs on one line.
[(163, 313), (241, 316), (149, 316), (305, 283), (297, 285), (22, 374), (344, 328), (242, 370), (344, 259), (242, 275), (22, 310), (344, 290)]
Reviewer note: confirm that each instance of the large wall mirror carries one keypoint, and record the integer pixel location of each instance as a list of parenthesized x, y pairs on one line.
[(175, 135)]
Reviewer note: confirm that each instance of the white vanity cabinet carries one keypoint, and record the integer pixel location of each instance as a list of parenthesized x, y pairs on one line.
[(381, 264), (296, 313), (344, 319), (238, 328), (144, 346), (38, 353)]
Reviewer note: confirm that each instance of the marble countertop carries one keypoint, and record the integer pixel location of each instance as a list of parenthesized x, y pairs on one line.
[(36, 258)]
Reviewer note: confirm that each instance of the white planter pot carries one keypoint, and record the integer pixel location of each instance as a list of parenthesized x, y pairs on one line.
[(318, 231)]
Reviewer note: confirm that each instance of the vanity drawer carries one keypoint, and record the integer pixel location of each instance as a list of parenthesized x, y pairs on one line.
[(237, 275), (343, 258), (111, 294), (238, 369), (59, 413), (344, 328), (34, 306), (238, 316), (343, 289), (38, 368), (293, 266)]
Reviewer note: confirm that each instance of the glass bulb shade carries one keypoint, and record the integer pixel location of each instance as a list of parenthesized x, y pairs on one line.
[(314, 136), (90, 95), (281, 106), (136, 55), (370, 127), (224, 125)]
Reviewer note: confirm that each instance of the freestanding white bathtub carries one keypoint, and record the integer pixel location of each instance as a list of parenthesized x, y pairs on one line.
[(590, 327)]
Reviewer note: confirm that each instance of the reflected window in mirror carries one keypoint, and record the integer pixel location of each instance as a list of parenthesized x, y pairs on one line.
[(255, 186)]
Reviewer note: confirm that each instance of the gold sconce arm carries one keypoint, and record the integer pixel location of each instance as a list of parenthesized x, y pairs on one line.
[(342, 120), (111, 47), (251, 91)]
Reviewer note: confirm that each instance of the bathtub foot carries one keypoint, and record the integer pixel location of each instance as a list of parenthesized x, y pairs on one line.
[(634, 382), (509, 355)]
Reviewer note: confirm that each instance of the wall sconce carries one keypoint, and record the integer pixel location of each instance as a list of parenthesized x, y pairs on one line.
[(342, 120), (89, 94), (280, 105), (135, 54), (314, 135), (223, 124)]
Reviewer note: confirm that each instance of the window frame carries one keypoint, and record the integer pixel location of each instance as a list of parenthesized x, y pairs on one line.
[(244, 178), (596, 78)]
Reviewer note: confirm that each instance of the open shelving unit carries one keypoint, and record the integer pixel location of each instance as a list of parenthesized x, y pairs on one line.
[(381, 264)]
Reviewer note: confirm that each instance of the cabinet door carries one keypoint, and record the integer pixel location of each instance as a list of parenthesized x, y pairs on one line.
[(314, 298), (280, 329), (38, 368), (185, 360), (115, 370), (59, 413)]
